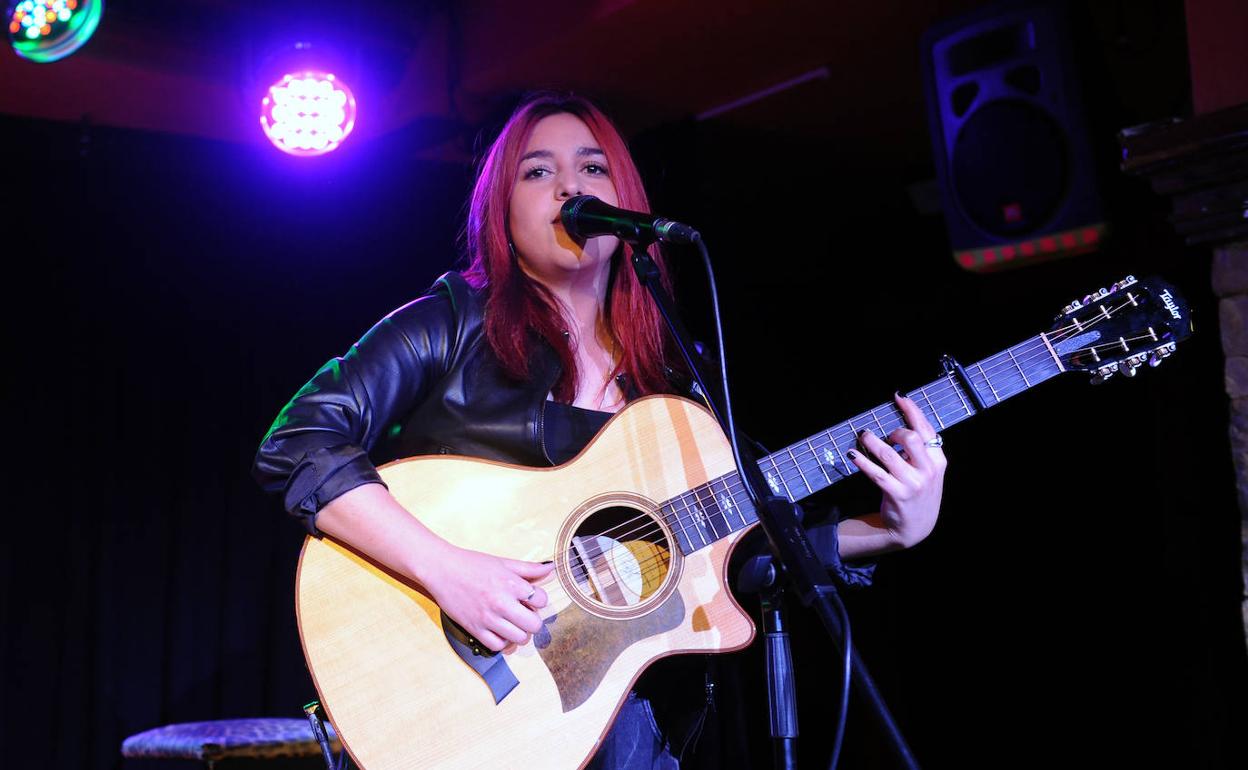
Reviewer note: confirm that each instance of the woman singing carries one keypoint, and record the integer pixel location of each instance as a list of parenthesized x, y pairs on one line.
[(522, 359)]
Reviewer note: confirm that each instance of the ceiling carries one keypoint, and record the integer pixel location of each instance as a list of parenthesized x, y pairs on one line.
[(806, 69)]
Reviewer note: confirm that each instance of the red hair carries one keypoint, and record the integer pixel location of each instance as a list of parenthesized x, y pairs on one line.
[(519, 311)]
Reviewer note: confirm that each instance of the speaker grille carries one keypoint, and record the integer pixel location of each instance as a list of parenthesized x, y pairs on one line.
[(1011, 167)]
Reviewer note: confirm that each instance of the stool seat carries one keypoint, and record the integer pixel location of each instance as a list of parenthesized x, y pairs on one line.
[(227, 739)]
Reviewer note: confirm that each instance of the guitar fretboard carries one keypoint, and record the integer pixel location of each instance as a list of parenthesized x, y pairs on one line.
[(722, 506)]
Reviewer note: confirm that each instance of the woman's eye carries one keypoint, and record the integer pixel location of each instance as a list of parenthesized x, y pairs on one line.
[(535, 172), (595, 168)]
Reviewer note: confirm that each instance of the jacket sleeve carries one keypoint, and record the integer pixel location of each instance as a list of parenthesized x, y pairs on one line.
[(824, 537), (318, 446)]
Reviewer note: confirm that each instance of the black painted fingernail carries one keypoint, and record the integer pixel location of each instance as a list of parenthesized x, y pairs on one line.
[(548, 561), (852, 454)]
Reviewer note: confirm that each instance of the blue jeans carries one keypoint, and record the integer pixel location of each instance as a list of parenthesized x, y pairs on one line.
[(633, 742)]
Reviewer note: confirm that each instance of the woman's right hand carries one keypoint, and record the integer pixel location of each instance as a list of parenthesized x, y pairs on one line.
[(492, 598)]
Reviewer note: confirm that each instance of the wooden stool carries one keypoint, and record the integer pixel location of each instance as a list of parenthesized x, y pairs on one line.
[(228, 739)]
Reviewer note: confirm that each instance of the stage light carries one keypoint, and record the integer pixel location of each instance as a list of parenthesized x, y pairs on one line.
[(308, 113), (46, 30)]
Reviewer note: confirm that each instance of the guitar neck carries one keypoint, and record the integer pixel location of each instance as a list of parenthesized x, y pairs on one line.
[(722, 506)]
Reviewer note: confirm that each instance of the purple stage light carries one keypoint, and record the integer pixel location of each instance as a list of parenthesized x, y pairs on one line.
[(308, 113)]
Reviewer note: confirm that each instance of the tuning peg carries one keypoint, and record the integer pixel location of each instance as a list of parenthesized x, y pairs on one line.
[(1161, 354), (1075, 305), (1128, 369), (1104, 373)]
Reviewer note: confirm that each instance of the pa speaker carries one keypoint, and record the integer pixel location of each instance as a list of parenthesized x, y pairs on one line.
[(1013, 160)]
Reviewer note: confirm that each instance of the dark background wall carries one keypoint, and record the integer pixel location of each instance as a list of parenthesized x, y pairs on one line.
[(1077, 605)]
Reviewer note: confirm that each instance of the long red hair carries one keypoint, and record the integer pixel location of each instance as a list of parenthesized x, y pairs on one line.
[(521, 312)]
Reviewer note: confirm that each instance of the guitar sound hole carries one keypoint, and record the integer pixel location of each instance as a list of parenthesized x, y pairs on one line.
[(619, 557)]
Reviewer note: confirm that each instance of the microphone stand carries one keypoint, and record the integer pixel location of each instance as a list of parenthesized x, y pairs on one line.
[(758, 575), (790, 546)]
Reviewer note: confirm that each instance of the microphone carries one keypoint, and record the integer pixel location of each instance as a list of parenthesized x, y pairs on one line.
[(586, 216)]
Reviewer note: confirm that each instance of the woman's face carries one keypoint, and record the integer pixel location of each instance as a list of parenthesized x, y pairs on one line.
[(561, 159)]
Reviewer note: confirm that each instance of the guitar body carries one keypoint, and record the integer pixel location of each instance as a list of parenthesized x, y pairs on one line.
[(401, 695)]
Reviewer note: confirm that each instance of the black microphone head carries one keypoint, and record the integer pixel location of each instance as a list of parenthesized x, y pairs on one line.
[(568, 215), (585, 216)]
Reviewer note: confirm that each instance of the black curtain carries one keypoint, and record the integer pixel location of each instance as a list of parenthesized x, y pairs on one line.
[(1078, 602), (167, 296)]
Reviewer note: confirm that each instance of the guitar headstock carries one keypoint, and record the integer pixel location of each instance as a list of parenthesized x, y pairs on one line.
[(1117, 330)]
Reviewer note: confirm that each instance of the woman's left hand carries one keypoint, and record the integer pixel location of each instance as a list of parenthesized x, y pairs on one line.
[(911, 482)]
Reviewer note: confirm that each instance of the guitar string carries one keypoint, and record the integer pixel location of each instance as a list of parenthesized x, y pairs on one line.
[(835, 434), (647, 567), (644, 529), (648, 527), (650, 568)]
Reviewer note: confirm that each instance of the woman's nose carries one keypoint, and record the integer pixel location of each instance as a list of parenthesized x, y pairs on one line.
[(568, 186)]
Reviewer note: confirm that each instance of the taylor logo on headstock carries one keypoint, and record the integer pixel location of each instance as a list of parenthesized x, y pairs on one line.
[(1171, 305)]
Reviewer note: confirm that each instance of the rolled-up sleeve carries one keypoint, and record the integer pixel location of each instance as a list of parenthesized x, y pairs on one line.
[(826, 541), (317, 448)]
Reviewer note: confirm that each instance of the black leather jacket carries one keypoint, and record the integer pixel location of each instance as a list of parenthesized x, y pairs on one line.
[(422, 381), (425, 381)]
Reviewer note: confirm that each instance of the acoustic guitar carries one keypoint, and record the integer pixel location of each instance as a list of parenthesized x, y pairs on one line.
[(640, 526)]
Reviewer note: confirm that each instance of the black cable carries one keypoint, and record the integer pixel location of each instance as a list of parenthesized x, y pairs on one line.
[(847, 668), (729, 419), (730, 422)]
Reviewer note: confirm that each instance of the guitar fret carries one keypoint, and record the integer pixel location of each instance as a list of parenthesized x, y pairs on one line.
[(896, 414), (878, 424), (708, 513), (1019, 368), (841, 452), (746, 504), (731, 504), (688, 545), (800, 473), (822, 468), (987, 382), (693, 518), (816, 471), (844, 463), (935, 413), (775, 480), (953, 384)]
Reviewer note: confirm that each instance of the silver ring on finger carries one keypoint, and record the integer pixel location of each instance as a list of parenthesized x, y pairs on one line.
[(936, 443)]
